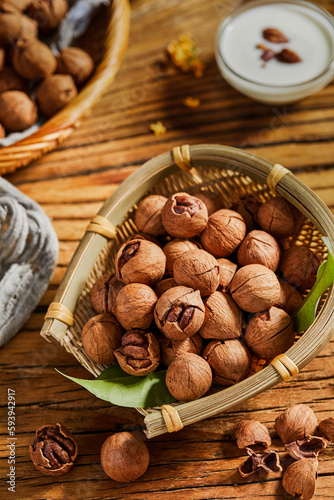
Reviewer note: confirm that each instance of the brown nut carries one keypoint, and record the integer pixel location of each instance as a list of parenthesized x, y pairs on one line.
[(224, 232), (17, 111), (148, 215), (101, 335), (2, 58), (54, 450), (223, 318), (255, 288), (33, 60), (174, 249), (104, 292), (188, 377), (227, 270), (173, 348), (247, 206), (278, 217), (140, 261), (250, 432), (164, 285), (310, 447), (184, 216), (299, 266), (75, 62), (14, 5), (299, 478), (134, 306), (48, 13), (179, 312), (290, 299), (229, 359), (54, 93), (270, 333), (213, 201), (259, 247), (139, 353), (14, 25), (9, 80), (327, 428), (124, 457), (197, 269), (297, 422), (267, 462)]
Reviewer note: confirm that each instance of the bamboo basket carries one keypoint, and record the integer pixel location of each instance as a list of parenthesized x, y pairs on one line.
[(106, 42), (226, 171)]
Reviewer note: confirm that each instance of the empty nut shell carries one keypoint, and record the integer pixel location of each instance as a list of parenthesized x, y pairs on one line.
[(54, 93), (197, 269), (259, 247), (299, 266), (224, 232), (299, 478), (134, 306), (33, 60), (227, 270), (148, 215), (101, 335), (188, 377), (297, 422), (251, 432), (139, 353), (17, 111), (184, 216), (173, 348), (75, 62), (223, 318), (229, 359), (174, 249)]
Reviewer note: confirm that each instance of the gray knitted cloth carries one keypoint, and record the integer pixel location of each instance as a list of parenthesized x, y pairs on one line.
[(28, 255)]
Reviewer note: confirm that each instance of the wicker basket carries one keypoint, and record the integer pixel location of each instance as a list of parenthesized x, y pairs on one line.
[(218, 169), (108, 37)]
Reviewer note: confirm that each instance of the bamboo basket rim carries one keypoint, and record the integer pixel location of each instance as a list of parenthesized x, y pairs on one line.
[(123, 199), (60, 126)]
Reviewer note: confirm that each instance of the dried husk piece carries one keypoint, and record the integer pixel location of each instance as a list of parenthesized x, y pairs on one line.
[(296, 423), (229, 359), (250, 432), (267, 461), (48, 13), (77, 63), (223, 318), (33, 60), (310, 447), (54, 93), (14, 25), (17, 111), (173, 348), (327, 428), (299, 478)]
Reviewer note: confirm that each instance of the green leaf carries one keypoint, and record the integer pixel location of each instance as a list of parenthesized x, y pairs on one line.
[(122, 389), (306, 313)]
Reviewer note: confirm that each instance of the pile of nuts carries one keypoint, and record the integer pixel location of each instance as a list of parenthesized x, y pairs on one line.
[(27, 64), (202, 289)]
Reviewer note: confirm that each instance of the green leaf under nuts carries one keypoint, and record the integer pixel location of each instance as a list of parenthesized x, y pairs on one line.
[(306, 313), (121, 389)]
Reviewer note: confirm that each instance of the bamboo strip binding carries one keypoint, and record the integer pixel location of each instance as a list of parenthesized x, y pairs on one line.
[(57, 310), (275, 175), (172, 418), (102, 226), (181, 157), (285, 367)]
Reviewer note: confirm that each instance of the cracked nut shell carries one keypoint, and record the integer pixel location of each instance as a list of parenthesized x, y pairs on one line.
[(310, 447), (140, 261), (148, 215), (17, 111), (278, 217), (267, 461), (170, 349), (48, 13), (54, 450), (229, 359), (179, 312), (223, 318), (124, 457), (290, 299), (174, 249), (188, 377), (197, 269), (297, 422), (101, 335), (134, 307), (259, 247), (251, 432), (270, 333), (299, 266), (255, 288), (227, 270), (104, 292), (33, 60), (139, 353), (54, 93), (224, 232), (75, 62), (184, 216), (299, 478)]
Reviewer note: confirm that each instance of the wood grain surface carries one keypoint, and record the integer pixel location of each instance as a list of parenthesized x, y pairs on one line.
[(71, 183)]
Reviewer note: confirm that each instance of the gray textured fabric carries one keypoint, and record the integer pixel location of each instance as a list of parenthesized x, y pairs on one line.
[(28, 255)]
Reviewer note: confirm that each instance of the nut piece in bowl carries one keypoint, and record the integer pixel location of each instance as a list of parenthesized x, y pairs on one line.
[(17, 111), (14, 25), (139, 353), (75, 62), (104, 292), (197, 269), (10, 80), (227, 270), (134, 306), (299, 266), (188, 377), (148, 215), (224, 232), (33, 60), (259, 247), (48, 13), (290, 299), (184, 216), (174, 249), (173, 348), (230, 360), (54, 93), (164, 285), (247, 206), (278, 217), (101, 335), (223, 318)]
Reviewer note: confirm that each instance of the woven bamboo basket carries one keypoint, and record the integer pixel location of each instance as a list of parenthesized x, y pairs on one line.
[(230, 173), (106, 41)]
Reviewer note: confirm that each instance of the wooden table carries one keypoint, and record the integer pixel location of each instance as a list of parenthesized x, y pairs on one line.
[(71, 184)]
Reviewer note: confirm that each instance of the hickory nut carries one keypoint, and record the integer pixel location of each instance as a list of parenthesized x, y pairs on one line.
[(299, 266), (48, 13), (297, 422), (224, 232), (174, 249), (184, 216), (255, 288), (14, 25), (299, 478), (173, 348), (227, 270), (134, 307), (270, 333), (148, 215), (179, 312), (197, 269), (75, 62), (259, 247), (17, 111), (140, 261), (229, 359), (54, 93), (278, 217), (290, 299), (124, 457), (104, 292), (250, 432), (101, 335), (188, 377), (164, 285), (10, 80), (247, 206), (139, 353), (223, 318), (33, 60)]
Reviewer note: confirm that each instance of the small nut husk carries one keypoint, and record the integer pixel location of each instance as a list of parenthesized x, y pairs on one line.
[(290, 299), (259, 247), (270, 333), (173, 348), (54, 93), (310, 447), (255, 288), (224, 232), (17, 111), (299, 266), (197, 269), (48, 13), (33, 60), (148, 215), (227, 270), (250, 432), (134, 306), (104, 292), (14, 25), (10, 80), (229, 359), (223, 318), (297, 422), (139, 353), (188, 377), (124, 457), (184, 216), (299, 478), (267, 462), (75, 62), (278, 217), (327, 428), (101, 336), (174, 249)]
